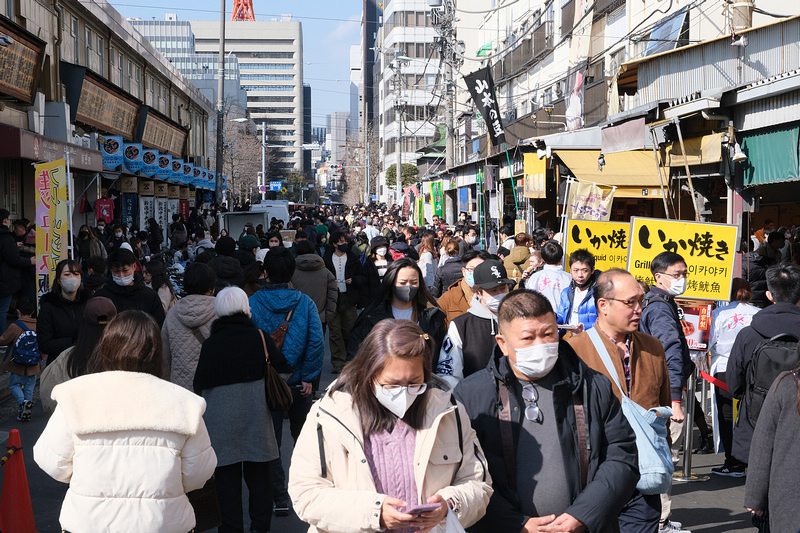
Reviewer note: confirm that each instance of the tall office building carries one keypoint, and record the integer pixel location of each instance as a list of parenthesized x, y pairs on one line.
[(337, 136), (270, 55)]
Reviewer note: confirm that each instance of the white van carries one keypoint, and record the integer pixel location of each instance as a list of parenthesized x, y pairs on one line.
[(275, 208)]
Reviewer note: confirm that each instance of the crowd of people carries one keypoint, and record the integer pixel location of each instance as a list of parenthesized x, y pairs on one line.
[(481, 380)]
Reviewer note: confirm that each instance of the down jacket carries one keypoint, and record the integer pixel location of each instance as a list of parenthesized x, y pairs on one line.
[(587, 312), (344, 499), (131, 446), (181, 346)]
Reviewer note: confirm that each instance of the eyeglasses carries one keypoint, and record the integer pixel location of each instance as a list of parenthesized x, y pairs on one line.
[(632, 304), (532, 411), (676, 275), (414, 389)]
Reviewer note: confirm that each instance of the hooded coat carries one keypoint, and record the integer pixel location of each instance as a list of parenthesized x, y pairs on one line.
[(613, 462), (778, 318), (131, 446), (229, 272), (58, 322), (136, 296), (517, 261), (191, 314), (314, 280), (446, 275)]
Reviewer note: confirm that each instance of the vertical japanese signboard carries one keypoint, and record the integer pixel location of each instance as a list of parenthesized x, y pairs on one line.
[(437, 199), (707, 248), (607, 241), (52, 221), (481, 88)]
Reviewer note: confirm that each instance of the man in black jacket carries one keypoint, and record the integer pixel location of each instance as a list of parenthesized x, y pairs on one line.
[(346, 268), (127, 289), (11, 265), (783, 289), (560, 452)]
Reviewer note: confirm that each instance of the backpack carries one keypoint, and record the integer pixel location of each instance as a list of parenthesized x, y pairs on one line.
[(770, 358), (26, 348)]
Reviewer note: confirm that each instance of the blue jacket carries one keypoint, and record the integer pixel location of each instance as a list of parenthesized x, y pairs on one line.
[(303, 346), (587, 312)]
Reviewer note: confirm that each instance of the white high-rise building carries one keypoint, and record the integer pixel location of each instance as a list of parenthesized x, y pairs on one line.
[(270, 55)]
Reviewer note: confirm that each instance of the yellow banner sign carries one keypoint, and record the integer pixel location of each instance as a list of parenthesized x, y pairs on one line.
[(52, 221), (588, 201), (707, 248), (607, 241), (535, 171)]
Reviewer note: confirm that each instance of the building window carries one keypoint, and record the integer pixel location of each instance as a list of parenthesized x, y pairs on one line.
[(76, 36), (101, 52), (130, 74)]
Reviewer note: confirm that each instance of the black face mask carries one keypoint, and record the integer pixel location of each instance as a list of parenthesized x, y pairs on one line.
[(84, 234), (585, 283), (405, 293), (342, 248)]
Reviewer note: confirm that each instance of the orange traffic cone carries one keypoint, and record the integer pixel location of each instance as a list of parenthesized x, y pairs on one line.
[(15, 501)]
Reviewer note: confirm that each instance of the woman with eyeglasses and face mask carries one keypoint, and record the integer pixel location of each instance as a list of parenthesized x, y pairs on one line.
[(61, 310), (402, 295), (383, 441)]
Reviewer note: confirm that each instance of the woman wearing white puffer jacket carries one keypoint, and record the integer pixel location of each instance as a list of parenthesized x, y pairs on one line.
[(130, 444)]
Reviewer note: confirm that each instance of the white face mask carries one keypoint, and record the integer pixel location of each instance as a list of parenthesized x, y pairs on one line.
[(677, 286), (397, 402), (70, 285), (492, 303), (123, 281), (536, 361), (381, 252)]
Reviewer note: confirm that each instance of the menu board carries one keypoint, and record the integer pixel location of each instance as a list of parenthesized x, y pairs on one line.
[(20, 63), (101, 107), (158, 133)]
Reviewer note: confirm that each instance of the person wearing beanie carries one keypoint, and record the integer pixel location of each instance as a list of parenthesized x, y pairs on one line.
[(127, 288), (246, 254), (226, 265)]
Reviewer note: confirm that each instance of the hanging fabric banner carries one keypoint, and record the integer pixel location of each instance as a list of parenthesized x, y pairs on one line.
[(128, 203), (112, 151), (149, 161), (437, 198), (481, 87), (52, 221), (587, 201), (164, 167), (534, 172), (132, 155)]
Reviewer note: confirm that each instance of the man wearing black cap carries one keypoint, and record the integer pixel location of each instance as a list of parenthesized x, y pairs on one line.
[(11, 264), (470, 337), (127, 289)]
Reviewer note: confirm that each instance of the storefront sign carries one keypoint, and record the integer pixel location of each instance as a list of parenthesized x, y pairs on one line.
[(535, 172), (696, 322), (588, 201), (481, 88), (100, 106), (129, 211), (184, 208), (463, 200), (607, 241), (132, 154), (160, 133), (147, 210), (111, 149), (149, 162), (162, 215), (707, 248), (52, 221), (20, 63), (188, 173), (419, 212), (161, 190), (147, 188), (183, 193), (164, 167), (173, 192), (173, 207), (437, 198), (128, 184)]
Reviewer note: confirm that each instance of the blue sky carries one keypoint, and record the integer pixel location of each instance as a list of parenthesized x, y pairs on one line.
[(329, 28)]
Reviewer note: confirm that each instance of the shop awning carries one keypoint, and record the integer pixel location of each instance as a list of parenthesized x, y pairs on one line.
[(484, 50), (772, 156), (699, 151), (635, 168)]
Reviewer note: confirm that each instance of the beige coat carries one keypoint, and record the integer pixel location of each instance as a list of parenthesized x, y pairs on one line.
[(346, 500)]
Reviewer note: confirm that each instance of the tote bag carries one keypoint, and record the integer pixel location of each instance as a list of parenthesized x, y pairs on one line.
[(650, 427)]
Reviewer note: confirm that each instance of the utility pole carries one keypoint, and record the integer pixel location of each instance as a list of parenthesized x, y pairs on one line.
[(399, 108), (444, 20), (220, 103), (263, 185)]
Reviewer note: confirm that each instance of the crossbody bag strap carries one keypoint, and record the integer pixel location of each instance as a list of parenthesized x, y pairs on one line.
[(507, 436), (198, 335), (264, 344), (460, 439), (583, 447), (606, 357)]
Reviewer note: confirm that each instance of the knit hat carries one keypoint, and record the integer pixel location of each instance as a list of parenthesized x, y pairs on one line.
[(225, 246), (126, 246), (4, 214), (490, 274), (99, 311), (249, 242)]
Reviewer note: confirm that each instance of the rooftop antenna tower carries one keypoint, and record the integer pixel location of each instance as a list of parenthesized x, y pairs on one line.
[(243, 10)]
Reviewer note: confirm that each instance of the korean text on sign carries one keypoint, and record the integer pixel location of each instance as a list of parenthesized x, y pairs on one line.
[(607, 241), (707, 248)]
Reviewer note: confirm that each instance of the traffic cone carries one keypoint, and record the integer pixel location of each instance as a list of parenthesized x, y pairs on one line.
[(15, 501)]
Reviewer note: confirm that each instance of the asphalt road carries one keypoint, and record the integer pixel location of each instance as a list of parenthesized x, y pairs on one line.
[(714, 506)]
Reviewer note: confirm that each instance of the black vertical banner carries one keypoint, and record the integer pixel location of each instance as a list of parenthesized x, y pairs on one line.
[(481, 87), (129, 209)]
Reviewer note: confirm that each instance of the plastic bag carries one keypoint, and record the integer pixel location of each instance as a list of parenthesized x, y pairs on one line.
[(453, 525)]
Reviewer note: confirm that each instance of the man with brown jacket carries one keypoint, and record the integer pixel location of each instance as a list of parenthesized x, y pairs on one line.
[(457, 299), (641, 365)]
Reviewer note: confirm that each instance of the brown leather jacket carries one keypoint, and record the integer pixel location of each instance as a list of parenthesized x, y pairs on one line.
[(649, 376)]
